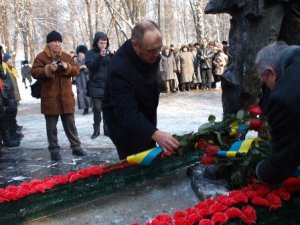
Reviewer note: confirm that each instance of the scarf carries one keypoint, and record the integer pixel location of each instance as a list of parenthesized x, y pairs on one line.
[(12, 70)]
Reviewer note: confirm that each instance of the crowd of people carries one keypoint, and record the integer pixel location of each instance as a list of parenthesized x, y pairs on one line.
[(123, 91)]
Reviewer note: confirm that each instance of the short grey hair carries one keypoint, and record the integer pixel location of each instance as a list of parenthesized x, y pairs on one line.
[(269, 55), (140, 29)]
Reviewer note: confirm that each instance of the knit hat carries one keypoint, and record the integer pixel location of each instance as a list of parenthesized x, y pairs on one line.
[(81, 48), (6, 57), (53, 36)]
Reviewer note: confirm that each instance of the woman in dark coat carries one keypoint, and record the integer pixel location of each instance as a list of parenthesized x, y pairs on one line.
[(84, 102)]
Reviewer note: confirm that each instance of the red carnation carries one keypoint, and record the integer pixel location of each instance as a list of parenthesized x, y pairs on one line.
[(238, 198), (2, 199), (262, 190), (249, 215), (254, 110), (50, 183), (25, 186), (10, 196), (74, 177), (204, 212), (39, 188), (84, 173), (283, 194), (178, 214), (2, 191), (164, 218), (135, 224), (11, 188), (260, 201), (202, 205), (95, 170), (206, 222), (70, 174), (234, 212), (60, 179), (193, 218), (201, 144), (220, 218), (274, 201), (256, 124), (21, 193), (207, 160), (181, 221), (211, 150), (217, 207), (224, 199)]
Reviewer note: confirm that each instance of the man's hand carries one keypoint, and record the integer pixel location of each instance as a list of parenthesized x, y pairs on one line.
[(103, 52), (53, 66), (165, 140)]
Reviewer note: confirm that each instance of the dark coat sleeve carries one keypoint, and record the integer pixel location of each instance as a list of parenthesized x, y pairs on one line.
[(285, 153)]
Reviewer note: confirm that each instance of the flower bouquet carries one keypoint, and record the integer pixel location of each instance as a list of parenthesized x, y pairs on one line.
[(224, 144)]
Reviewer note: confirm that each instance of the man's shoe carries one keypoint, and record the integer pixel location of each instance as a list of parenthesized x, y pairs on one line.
[(79, 152), (55, 156)]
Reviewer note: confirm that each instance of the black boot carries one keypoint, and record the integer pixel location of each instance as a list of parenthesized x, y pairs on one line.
[(96, 131), (85, 111), (8, 141)]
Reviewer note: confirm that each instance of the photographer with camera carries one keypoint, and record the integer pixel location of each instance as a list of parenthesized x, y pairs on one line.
[(97, 60), (55, 68)]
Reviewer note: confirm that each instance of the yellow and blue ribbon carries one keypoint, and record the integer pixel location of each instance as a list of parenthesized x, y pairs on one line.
[(241, 146), (146, 157)]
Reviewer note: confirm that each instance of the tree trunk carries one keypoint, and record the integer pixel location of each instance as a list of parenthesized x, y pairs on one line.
[(90, 27)]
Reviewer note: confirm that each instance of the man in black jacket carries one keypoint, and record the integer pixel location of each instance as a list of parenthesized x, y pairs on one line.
[(278, 67), (132, 93)]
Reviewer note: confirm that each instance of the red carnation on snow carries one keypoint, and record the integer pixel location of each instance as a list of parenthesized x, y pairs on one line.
[(178, 214), (181, 221)]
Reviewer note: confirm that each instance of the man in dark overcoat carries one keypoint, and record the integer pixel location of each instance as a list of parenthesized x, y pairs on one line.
[(132, 93)]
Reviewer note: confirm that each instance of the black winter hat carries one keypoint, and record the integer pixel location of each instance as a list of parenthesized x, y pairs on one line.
[(54, 36), (81, 48)]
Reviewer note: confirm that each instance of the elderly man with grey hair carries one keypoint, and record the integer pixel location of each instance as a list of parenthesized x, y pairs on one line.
[(278, 67)]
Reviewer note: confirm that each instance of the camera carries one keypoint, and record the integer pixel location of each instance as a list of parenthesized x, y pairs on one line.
[(59, 63)]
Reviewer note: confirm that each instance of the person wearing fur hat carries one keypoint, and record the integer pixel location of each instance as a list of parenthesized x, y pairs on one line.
[(97, 60), (84, 102), (55, 68)]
